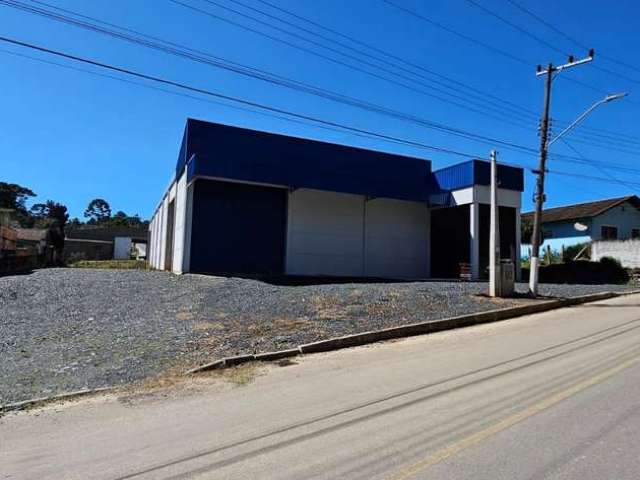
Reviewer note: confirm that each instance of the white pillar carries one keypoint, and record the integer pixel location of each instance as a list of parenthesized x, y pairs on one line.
[(474, 246), (186, 256), (495, 283)]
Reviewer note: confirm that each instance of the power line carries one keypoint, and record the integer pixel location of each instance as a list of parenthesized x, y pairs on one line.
[(398, 58), (519, 124), (498, 108), (589, 177), (180, 94), (596, 132), (324, 93), (347, 64), (567, 36), (266, 108), (335, 97), (547, 44), (488, 46), (602, 170), (195, 55), (327, 94), (588, 161), (491, 48), (517, 27), (610, 146), (203, 91), (484, 96), (383, 110)]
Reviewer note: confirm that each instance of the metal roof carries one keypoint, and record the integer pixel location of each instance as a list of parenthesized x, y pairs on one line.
[(582, 210), (478, 172), (107, 233)]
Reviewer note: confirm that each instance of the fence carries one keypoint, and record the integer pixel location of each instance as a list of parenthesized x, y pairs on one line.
[(627, 252)]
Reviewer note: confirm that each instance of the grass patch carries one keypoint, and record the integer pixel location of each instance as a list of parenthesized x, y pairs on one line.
[(242, 374), (207, 326), (112, 264), (184, 316), (327, 308), (290, 324)]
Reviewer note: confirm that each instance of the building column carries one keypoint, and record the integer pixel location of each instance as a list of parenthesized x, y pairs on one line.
[(186, 249), (474, 244), (517, 248)]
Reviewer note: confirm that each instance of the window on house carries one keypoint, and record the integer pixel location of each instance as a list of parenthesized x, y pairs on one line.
[(609, 233), (635, 233)]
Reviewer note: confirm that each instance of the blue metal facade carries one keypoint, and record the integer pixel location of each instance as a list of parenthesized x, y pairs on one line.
[(227, 152), (223, 151), (478, 172)]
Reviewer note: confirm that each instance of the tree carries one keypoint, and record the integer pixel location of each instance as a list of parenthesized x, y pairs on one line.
[(53, 216), (120, 219), (98, 211), (526, 231), (58, 213), (75, 223), (14, 197), (50, 214)]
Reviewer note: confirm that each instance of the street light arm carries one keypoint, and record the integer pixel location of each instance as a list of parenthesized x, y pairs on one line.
[(573, 124)]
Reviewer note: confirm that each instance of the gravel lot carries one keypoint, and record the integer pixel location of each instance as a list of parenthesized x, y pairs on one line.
[(67, 329)]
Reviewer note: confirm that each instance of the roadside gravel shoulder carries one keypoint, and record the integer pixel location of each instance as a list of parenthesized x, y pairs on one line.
[(71, 329)]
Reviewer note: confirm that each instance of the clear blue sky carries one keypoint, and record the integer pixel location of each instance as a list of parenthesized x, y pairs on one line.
[(71, 137)]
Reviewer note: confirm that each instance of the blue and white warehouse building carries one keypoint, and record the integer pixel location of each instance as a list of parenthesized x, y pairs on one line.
[(245, 202)]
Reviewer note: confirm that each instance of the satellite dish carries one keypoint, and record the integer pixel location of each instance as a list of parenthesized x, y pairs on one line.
[(581, 227)]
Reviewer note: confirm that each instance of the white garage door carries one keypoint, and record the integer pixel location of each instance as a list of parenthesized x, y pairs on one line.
[(325, 233), (397, 239)]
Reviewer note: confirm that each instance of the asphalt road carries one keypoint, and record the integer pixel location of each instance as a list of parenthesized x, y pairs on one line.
[(549, 396)]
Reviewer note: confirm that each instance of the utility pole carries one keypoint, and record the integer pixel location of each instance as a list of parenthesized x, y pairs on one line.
[(544, 145), (495, 274), (539, 196)]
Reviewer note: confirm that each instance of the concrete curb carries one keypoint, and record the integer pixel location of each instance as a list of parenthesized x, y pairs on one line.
[(352, 341), (414, 329), (12, 407), (239, 359), (278, 355)]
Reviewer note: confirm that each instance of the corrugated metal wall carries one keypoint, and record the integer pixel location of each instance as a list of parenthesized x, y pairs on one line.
[(240, 154), (338, 234), (450, 240), (478, 172), (396, 239), (325, 234), (237, 228)]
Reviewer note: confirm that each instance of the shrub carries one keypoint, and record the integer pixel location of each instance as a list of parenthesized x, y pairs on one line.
[(570, 252), (582, 272), (75, 257), (610, 262), (112, 264), (614, 269)]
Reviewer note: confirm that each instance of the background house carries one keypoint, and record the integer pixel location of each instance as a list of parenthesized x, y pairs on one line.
[(104, 243), (610, 219), (249, 202), (25, 248)]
